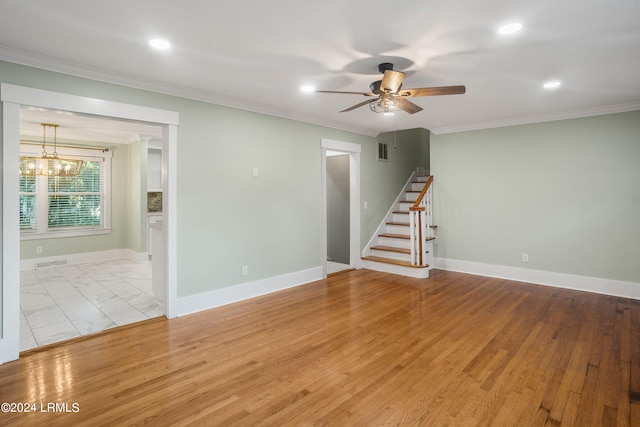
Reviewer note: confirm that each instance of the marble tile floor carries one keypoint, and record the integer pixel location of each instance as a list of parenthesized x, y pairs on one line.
[(59, 303)]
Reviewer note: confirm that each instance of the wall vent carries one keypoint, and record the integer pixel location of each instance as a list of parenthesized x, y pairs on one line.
[(383, 151), (51, 264)]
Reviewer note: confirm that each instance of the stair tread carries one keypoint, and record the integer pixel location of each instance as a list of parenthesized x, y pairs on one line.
[(401, 236), (393, 261), (391, 249), (406, 224), (401, 212), (395, 236)]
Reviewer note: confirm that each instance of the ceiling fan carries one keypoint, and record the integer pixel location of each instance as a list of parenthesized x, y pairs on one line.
[(389, 95)]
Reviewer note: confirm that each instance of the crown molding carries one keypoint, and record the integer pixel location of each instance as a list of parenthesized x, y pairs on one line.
[(85, 71), (563, 115)]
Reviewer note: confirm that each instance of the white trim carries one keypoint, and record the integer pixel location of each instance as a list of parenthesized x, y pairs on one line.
[(82, 104), (59, 234), (332, 144), (169, 217), (541, 118), (84, 257), (560, 280), (219, 297), (75, 69), (353, 150), (10, 331), (13, 97)]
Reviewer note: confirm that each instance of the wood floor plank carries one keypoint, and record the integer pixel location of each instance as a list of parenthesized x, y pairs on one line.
[(360, 348)]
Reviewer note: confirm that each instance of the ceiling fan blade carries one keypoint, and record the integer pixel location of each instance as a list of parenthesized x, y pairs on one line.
[(353, 107), (433, 91), (392, 81), (347, 93), (408, 106)]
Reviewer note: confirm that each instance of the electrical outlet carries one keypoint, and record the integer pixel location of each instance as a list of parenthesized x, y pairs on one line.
[(38, 249), (245, 270), (255, 172), (525, 257)]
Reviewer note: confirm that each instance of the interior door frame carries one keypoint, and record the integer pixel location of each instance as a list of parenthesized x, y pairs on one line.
[(353, 150), (12, 98)]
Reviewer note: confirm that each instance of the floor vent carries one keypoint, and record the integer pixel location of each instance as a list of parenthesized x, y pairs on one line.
[(51, 264)]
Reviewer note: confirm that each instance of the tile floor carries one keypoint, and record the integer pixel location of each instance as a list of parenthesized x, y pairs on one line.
[(59, 303)]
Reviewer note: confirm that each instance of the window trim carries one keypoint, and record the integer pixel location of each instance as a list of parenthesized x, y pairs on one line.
[(89, 154)]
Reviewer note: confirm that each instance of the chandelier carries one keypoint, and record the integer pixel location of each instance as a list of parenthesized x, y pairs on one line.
[(49, 164)]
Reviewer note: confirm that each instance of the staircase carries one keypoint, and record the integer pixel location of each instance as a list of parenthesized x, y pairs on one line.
[(390, 250)]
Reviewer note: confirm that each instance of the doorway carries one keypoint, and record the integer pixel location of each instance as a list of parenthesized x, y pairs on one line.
[(13, 97), (85, 279), (338, 221), (347, 211)]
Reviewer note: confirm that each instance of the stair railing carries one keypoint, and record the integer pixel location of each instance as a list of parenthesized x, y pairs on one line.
[(420, 224)]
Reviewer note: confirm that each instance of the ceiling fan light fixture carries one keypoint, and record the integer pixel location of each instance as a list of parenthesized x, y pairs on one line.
[(390, 95), (384, 104)]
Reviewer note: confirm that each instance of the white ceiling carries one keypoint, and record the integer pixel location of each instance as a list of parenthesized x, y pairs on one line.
[(256, 55)]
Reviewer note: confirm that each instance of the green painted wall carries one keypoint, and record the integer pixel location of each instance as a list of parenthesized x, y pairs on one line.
[(226, 218), (565, 192)]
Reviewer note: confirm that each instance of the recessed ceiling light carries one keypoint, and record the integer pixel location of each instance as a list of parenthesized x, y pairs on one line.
[(308, 88), (512, 28), (160, 44), (552, 84)]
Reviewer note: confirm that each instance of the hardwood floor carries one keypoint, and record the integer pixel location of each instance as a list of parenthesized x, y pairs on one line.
[(362, 348)]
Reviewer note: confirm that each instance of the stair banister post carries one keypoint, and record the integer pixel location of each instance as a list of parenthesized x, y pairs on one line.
[(429, 211), (423, 236), (412, 236)]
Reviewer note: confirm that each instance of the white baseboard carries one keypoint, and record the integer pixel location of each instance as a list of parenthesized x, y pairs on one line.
[(219, 297), (79, 258), (560, 280)]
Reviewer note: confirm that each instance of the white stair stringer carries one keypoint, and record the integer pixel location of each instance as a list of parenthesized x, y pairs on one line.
[(389, 248)]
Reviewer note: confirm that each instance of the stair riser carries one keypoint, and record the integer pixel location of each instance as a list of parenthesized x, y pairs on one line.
[(418, 273), (396, 243), (404, 207), (392, 255), (411, 196), (401, 217), (397, 229)]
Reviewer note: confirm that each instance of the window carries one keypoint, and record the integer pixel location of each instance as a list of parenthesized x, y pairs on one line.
[(57, 206)]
